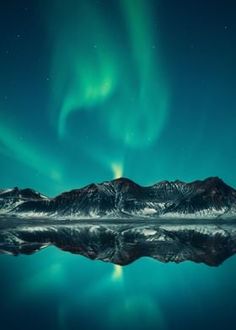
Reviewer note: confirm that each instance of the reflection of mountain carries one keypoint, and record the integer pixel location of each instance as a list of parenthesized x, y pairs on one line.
[(123, 198), (122, 243)]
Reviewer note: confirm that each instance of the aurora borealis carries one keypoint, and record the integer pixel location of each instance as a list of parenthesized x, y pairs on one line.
[(97, 89), (93, 90), (113, 69)]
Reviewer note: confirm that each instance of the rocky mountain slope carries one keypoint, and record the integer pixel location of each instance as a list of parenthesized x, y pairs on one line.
[(122, 242), (123, 198)]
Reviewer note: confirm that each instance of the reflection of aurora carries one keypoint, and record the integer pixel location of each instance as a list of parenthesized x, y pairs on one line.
[(73, 290), (107, 289), (113, 69)]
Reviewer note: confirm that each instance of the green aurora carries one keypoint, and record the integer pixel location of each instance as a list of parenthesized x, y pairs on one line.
[(113, 69), (97, 89)]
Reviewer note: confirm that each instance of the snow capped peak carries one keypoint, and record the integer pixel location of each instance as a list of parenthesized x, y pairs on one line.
[(124, 198)]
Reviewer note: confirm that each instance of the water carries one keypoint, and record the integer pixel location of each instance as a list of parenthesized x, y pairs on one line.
[(58, 290)]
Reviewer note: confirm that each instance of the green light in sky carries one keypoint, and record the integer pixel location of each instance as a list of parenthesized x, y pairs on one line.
[(113, 69), (117, 169), (14, 146)]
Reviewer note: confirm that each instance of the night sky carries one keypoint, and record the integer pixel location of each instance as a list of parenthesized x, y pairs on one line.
[(93, 90)]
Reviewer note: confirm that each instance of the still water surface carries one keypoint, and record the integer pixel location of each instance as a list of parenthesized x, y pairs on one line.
[(57, 290)]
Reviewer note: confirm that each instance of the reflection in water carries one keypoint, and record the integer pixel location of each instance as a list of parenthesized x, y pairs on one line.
[(122, 242), (140, 311), (57, 290), (117, 273)]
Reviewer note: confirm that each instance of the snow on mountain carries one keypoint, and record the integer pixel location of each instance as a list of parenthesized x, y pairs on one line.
[(123, 198)]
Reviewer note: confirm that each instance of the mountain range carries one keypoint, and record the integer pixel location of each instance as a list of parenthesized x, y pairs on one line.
[(123, 198), (122, 242)]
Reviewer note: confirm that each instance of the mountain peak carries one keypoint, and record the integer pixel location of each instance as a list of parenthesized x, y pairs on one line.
[(123, 197), (124, 181)]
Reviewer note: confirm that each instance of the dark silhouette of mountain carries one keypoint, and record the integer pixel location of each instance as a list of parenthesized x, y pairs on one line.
[(122, 242), (123, 198)]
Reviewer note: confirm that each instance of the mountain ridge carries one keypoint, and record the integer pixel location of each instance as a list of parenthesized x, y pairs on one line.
[(122, 243), (122, 197)]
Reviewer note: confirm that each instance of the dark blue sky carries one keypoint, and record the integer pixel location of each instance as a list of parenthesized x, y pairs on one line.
[(92, 90)]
